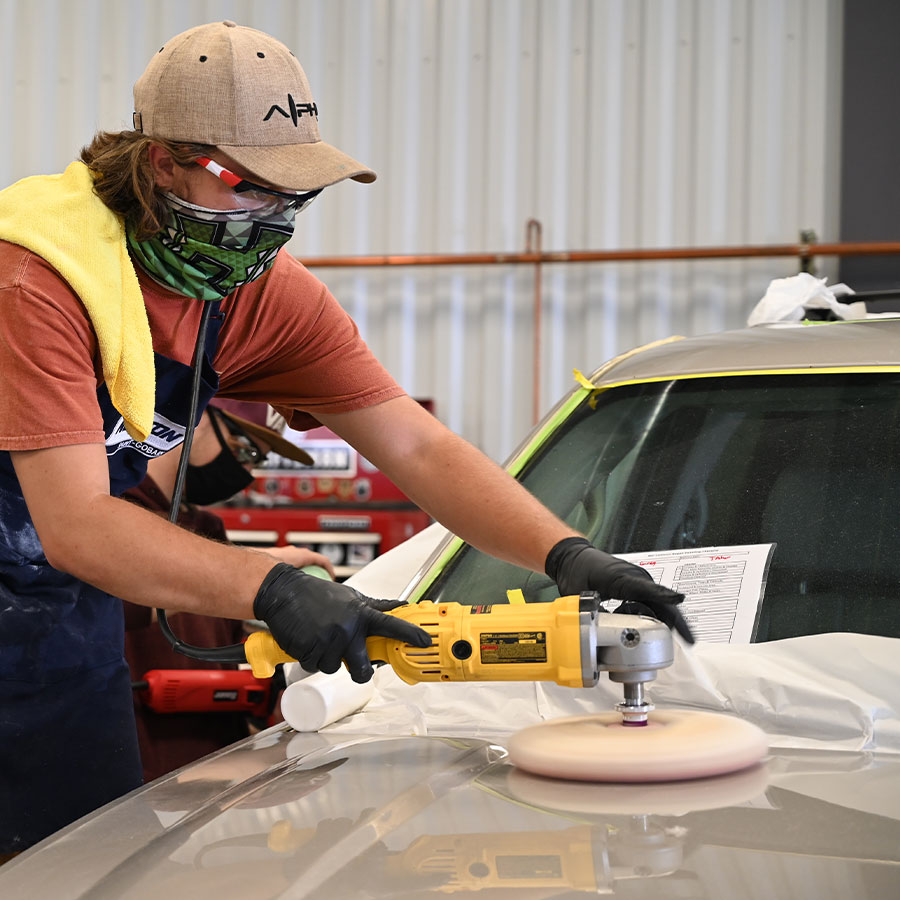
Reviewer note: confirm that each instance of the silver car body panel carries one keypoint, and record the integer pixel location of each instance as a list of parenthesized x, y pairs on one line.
[(284, 815)]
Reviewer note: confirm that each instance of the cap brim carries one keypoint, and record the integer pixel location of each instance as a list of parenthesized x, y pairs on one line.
[(275, 441), (300, 167)]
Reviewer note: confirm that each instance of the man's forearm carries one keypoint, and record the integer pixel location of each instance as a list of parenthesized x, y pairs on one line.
[(137, 555), (478, 501), (453, 481), (125, 550), (160, 564)]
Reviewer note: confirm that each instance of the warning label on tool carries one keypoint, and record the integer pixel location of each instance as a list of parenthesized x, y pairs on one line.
[(514, 647), (529, 866)]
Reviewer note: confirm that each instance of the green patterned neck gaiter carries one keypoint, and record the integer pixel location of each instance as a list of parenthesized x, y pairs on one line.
[(207, 253)]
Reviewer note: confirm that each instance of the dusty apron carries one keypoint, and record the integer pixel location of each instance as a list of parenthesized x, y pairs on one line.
[(67, 734)]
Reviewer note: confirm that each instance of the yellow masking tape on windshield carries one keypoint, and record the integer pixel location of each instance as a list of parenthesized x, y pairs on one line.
[(588, 386)]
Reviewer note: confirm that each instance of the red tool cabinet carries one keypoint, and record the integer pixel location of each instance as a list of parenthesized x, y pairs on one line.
[(341, 506)]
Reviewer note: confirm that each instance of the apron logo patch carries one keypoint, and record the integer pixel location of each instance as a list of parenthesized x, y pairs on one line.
[(164, 435)]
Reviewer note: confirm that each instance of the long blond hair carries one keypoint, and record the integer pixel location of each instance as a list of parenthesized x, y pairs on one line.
[(124, 181)]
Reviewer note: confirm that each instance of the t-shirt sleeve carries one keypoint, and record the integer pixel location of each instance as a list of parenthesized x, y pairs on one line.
[(48, 358), (296, 348)]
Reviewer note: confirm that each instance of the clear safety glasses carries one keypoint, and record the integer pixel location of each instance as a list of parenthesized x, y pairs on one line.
[(252, 196)]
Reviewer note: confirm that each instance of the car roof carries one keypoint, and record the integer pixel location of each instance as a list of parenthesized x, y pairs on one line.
[(781, 347)]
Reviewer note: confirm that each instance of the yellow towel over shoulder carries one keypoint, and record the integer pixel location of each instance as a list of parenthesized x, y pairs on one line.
[(61, 219)]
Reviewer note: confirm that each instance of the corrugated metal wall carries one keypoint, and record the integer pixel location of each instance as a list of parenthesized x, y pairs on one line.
[(615, 123)]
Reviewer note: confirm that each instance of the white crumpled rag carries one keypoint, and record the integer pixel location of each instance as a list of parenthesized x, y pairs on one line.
[(788, 299)]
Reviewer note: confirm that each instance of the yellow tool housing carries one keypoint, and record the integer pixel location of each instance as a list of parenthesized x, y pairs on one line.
[(488, 642), (494, 642)]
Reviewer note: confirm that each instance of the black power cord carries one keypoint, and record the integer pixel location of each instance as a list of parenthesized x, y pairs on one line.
[(233, 652)]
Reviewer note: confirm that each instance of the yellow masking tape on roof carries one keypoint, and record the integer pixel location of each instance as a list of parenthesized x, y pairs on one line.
[(589, 385), (742, 373)]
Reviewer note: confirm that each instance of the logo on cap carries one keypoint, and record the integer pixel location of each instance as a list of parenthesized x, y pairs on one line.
[(296, 110)]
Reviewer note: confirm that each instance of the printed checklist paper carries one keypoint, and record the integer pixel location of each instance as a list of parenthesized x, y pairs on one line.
[(723, 587)]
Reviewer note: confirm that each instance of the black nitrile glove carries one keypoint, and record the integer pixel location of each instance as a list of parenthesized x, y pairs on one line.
[(576, 565), (321, 622)]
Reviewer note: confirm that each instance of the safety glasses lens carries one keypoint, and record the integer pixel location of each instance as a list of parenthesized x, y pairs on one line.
[(245, 451), (259, 199)]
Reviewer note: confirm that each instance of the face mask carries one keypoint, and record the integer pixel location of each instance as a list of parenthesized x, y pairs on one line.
[(217, 480), (207, 253)]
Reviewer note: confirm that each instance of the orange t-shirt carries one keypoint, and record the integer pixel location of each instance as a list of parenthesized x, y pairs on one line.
[(284, 340)]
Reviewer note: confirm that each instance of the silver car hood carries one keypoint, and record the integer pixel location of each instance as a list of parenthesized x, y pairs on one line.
[(288, 815)]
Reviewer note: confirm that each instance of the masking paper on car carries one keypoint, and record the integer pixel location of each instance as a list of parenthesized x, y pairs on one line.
[(821, 691), (827, 691)]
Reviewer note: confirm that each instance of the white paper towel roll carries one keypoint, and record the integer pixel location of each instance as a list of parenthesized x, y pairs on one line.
[(319, 699)]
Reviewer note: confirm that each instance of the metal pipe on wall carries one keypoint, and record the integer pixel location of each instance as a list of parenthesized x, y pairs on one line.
[(800, 250), (533, 240), (804, 251)]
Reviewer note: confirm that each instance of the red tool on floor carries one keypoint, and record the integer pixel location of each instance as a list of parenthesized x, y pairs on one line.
[(206, 690)]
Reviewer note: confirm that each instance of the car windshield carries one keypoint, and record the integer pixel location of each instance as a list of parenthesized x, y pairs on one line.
[(810, 462)]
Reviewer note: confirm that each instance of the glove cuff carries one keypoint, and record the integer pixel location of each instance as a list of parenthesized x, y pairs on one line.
[(559, 550), (275, 574)]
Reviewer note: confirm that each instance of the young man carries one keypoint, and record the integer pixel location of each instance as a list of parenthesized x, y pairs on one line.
[(105, 272)]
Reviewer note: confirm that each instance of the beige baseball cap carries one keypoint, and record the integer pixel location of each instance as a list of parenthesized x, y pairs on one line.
[(244, 92)]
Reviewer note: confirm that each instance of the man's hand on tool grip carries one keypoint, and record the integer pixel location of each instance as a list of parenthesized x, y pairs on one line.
[(576, 565), (320, 622)]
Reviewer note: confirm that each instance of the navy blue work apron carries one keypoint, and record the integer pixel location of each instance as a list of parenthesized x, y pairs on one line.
[(67, 735)]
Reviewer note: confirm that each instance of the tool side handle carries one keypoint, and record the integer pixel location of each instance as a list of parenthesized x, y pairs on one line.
[(263, 653)]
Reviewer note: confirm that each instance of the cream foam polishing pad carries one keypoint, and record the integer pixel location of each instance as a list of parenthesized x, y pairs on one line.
[(674, 745)]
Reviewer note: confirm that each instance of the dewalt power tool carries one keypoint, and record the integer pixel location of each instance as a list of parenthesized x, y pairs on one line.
[(570, 640)]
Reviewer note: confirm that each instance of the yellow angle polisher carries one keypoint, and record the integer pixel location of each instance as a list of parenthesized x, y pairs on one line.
[(570, 641)]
